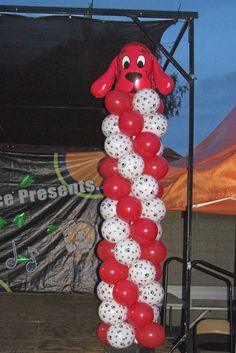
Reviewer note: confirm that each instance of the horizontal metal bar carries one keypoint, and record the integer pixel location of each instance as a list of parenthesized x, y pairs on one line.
[(11, 147), (98, 11), (197, 308)]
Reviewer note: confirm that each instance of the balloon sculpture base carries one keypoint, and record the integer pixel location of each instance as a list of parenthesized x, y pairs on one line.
[(134, 348)]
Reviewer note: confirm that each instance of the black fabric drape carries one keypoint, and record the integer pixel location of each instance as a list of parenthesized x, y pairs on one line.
[(47, 65)]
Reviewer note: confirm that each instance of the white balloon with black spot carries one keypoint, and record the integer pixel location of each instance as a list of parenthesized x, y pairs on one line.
[(116, 145), (130, 165), (114, 229), (110, 125), (127, 252), (146, 101), (145, 187), (121, 335), (155, 123), (142, 272), (156, 312), (154, 209), (104, 291), (108, 208), (111, 312), (152, 293), (161, 150), (159, 233)]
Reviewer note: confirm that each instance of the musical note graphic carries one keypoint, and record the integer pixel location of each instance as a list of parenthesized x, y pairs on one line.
[(12, 261), (31, 263)]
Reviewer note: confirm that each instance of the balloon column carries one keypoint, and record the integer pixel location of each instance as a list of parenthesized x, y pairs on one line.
[(131, 250)]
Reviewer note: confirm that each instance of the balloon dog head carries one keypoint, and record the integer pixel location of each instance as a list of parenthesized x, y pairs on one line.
[(134, 68)]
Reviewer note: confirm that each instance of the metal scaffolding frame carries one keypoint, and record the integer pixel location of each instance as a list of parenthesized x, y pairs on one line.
[(135, 15)]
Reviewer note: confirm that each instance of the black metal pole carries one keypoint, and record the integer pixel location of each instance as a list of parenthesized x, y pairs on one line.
[(187, 255), (165, 286), (176, 43), (162, 49), (234, 294)]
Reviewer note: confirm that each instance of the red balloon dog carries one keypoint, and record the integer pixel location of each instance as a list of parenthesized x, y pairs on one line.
[(134, 68)]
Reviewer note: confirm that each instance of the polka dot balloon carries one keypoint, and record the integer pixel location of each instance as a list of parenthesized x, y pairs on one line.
[(121, 335), (111, 312), (127, 252), (116, 145), (110, 125), (156, 312), (161, 150), (108, 208), (130, 165), (114, 229), (142, 272), (146, 101), (154, 209), (155, 123), (104, 291), (152, 293), (159, 233), (145, 187)]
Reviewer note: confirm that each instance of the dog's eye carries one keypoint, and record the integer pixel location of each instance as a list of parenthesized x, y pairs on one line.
[(141, 61), (125, 62)]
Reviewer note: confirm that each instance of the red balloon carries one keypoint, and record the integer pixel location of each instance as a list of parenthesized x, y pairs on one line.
[(157, 166), (131, 123), (111, 271), (105, 250), (117, 102), (108, 167), (154, 252), (129, 209), (151, 335), (144, 231), (146, 144), (102, 332), (125, 292), (116, 187), (159, 272), (140, 314), (160, 192), (161, 107)]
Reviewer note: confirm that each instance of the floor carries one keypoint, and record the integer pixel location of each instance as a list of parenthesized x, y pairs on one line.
[(50, 323)]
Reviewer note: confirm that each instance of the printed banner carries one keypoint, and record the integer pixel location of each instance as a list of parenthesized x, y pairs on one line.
[(49, 221)]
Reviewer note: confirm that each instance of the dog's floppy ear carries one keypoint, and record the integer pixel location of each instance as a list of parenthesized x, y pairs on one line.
[(103, 84), (164, 83)]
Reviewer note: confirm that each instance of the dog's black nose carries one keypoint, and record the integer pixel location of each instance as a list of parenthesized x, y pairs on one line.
[(133, 76)]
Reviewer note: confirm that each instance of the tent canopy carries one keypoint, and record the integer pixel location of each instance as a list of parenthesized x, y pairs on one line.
[(47, 65), (214, 176)]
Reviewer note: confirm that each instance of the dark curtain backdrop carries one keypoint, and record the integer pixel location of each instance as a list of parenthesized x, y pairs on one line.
[(47, 65), (49, 221)]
